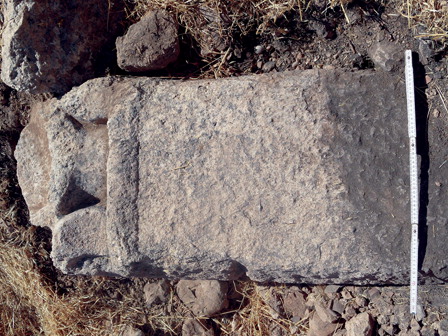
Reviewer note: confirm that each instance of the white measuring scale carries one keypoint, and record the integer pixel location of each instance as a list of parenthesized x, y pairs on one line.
[(410, 98)]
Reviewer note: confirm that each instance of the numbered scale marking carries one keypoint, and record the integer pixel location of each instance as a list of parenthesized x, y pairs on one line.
[(413, 169)]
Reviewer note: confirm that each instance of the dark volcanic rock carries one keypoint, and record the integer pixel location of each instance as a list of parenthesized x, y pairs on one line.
[(289, 177), (149, 44), (50, 46)]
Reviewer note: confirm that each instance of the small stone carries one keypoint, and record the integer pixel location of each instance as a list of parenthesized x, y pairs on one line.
[(259, 49), (386, 55), (268, 66), (432, 317), (443, 325), (132, 331), (373, 292), (420, 315), (353, 15), (411, 333), (238, 53), (349, 313), (382, 319), (388, 294), (360, 325), (193, 327), (425, 51), (331, 289), (428, 79), (259, 64), (294, 304), (436, 113), (337, 306), (431, 93), (276, 330), (318, 27), (393, 319), (341, 332), (311, 299), (415, 325), (346, 294), (326, 314), (389, 329), (156, 292), (426, 331), (320, 328), (203, 297), (150, 44), (361, 301)]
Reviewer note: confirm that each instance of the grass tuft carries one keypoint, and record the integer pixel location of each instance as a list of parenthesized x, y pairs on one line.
[(430, 16)]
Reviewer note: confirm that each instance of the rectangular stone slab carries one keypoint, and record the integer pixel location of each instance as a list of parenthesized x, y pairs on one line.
[(290, 177)]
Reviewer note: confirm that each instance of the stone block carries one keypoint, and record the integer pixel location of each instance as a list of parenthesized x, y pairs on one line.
[(296, 177)]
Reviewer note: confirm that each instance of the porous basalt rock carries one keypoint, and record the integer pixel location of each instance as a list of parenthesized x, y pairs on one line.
[(150, 44), (50, 46), (288, 177)]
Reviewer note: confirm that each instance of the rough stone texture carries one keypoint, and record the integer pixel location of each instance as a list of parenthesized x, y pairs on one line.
[(150, 44), (288, 177), (326, 314), (294, 304), (156, 292), (360, 325), (193, 327), (387, 56), (49, 46), (203, 297), (321, 328)]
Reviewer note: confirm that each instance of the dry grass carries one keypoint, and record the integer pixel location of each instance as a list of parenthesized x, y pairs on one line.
[(257, 317), (216, 24), (30, 305), (430, 15)]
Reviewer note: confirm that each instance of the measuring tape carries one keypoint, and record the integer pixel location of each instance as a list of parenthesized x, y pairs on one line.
[(409, 73)]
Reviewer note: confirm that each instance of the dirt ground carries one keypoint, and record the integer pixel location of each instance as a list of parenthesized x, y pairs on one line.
[(37, 299)]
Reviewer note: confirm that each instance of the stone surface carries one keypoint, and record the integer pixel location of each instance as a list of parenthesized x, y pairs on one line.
[(193, 327), (331, 289), (387, 56), (360, 325), (294, 304), (49, 46), (321, 328), (337, 306), (150, 44), (203, 297), (156, 292), (326, 314), (296, 177)]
